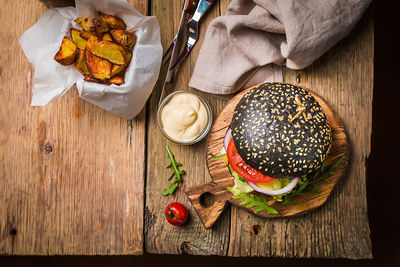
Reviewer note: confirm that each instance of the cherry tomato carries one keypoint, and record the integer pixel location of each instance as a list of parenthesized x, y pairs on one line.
[(176, 213), (244, 170)]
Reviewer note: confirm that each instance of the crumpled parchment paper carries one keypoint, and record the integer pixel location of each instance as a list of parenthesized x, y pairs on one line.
[(51, 80)]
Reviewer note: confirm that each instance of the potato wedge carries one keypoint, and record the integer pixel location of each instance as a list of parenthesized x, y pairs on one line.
[(107, 37), (99, 68), (124, 38), (102, 27), (101, 50), (115, 69), (90, 78), (86, 23), (118, 80), (67, 53), (93, 25), (114, 22), (110, 51), (128, 56), (80, 63), (85, 35), (92, 41), (77, 39)]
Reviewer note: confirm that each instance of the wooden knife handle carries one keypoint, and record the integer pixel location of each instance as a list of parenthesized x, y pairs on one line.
[(209, 200)]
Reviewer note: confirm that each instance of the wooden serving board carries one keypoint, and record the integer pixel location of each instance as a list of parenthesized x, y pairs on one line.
[(210, 199)]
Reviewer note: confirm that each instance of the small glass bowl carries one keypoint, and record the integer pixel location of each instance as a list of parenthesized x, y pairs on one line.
[(202, 134)]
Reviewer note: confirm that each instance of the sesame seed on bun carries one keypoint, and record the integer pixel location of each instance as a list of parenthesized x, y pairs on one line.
[(280, 130)]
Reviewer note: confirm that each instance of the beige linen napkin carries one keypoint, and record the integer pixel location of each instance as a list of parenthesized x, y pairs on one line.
[(241, 47)]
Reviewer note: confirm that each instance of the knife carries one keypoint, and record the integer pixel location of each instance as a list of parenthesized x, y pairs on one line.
[(188, 9)]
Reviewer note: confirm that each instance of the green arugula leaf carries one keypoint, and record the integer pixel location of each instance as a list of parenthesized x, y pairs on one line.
[(217, 156), (288, 201), (172, 176), (242, 179), (309, 185), (177, 174), (252, 200), (169, 190)]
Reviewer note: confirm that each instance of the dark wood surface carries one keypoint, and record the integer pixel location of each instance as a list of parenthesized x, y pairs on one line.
[(192, 238), (343, 77), (216, 190), (384, 223)]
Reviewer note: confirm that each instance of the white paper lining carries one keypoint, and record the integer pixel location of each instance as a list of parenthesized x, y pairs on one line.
[(51, 80)]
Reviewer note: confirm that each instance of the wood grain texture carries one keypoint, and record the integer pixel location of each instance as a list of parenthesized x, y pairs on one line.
[(217, 194), (160, 237), (339, 228), (72, 175), (344, 77)]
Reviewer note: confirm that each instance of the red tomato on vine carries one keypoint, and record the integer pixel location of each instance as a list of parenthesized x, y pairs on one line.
[(176, 213)]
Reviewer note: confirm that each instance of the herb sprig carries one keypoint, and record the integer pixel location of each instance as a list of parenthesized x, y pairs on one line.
[(306, 185), (177, 174), (252, 200)]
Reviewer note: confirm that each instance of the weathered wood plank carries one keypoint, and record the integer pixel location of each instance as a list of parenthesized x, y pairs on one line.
[(340, 227), (72, 175), (192, 238), (324, 232)]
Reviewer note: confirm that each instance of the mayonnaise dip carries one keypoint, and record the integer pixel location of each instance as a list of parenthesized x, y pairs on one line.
[(184, 117)]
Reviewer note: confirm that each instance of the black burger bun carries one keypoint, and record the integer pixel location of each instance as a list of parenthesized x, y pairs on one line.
[(280, 130)]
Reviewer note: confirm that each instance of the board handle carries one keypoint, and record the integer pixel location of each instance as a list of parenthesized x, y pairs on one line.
[(209, 200)]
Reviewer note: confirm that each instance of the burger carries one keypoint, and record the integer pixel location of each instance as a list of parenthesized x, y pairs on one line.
[(279, 136)]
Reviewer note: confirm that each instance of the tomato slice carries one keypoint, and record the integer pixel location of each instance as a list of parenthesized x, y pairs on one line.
[(246, 171)]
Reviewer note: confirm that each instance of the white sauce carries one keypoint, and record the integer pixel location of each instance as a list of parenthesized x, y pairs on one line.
[(184, 117)]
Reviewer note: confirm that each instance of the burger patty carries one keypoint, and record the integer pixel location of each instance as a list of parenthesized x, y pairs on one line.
[(280, 130)]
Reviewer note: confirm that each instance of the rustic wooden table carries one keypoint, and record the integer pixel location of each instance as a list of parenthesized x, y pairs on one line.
[(78, 180)]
